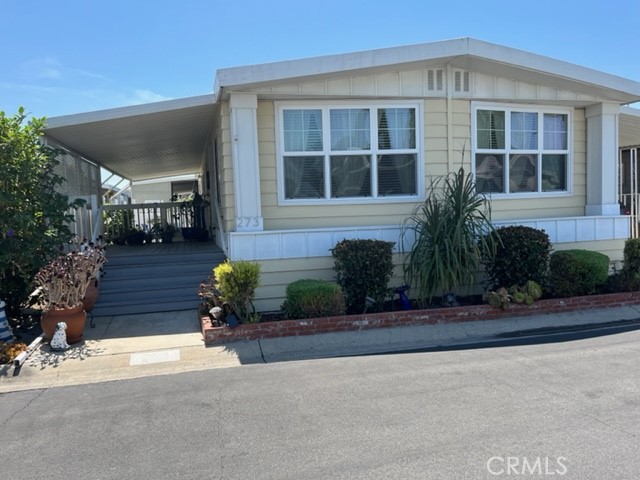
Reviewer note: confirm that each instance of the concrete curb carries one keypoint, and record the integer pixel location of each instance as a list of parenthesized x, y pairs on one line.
[(108, 357)]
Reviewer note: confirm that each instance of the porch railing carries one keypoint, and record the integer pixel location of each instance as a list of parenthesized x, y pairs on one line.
[(629, 186), (119, 219)]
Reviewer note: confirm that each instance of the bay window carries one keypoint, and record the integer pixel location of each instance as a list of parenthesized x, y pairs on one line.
[(341, 152), (521, 150)]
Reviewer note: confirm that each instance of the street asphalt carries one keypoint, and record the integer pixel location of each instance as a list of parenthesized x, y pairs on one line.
[(568, 410), (137, 346)]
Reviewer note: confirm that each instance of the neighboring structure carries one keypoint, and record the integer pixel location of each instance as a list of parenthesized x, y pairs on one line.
[(164, 189), (297, 155), (629, 163)]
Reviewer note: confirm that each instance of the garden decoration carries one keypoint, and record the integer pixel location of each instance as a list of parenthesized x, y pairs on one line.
[(62, 285), (5, 329), (401, 291), (59, 340)]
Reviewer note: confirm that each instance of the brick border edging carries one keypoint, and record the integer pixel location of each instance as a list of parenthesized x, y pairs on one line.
[(310, 326)]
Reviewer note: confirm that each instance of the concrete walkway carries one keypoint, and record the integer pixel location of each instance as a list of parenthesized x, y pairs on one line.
[(133, 346)]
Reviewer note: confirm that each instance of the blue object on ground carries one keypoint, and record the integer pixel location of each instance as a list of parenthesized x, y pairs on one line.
[(404, 300)]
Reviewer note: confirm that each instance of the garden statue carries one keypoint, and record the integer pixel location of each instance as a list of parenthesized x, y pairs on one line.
[(59, 340)]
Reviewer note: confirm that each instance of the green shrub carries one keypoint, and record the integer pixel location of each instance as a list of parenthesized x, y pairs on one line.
[(35, 218), (628, 278), (577, 272), (237, 282), (364, 268), (522, 254), (448, 235), (525, 294), (632, 257), (312, 299)]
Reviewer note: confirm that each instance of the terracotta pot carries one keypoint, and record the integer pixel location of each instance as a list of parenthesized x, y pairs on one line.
[(75, 319), (90, 296)]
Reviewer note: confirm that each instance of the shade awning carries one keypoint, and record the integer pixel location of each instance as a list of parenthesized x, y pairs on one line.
[(143, 141)]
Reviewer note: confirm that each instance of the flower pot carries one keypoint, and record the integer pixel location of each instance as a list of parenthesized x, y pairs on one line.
[(75, 319), (90, 296), (166, 237)]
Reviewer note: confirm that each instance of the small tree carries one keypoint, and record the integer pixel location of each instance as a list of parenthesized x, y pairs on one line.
[(363, 269), (522, 254), (34, 216), (237, 281), (450, 238)]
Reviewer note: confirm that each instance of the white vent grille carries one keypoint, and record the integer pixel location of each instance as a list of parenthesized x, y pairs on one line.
[(461, 81), (435, 80)]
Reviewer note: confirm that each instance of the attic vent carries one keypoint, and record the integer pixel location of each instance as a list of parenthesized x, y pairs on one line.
[(435, 80), (461, 81)]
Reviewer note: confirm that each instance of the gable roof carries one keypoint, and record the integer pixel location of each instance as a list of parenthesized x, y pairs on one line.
[(465, 53), (168, 138)]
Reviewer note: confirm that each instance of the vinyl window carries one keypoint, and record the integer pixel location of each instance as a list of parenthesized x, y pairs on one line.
[(341, 153), (521, 150)]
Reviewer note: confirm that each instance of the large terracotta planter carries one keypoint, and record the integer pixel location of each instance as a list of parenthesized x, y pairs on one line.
[(90, 296), (75, 319)]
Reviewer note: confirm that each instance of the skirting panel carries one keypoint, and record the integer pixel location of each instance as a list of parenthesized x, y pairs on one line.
[(280, 244)]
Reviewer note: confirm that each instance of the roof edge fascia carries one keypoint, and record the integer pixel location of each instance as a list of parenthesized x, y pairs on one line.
[(345, 62), (342, 62), (129, 111)]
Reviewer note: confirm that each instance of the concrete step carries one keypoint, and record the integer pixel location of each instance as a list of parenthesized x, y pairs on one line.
[(170, 258), (158, 294), (111, 285), (157, 271)]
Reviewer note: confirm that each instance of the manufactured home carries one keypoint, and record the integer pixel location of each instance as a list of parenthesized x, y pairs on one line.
[(297, 155)]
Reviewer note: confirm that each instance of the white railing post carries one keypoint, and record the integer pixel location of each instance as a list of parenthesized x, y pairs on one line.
[(97, 224)]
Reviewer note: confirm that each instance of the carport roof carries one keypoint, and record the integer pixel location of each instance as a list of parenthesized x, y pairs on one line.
[(142, 141)]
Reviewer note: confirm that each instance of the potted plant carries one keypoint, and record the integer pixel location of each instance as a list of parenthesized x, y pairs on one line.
[(164, 232), (62, 284), (192, 214), (95, 254), (135, 236)]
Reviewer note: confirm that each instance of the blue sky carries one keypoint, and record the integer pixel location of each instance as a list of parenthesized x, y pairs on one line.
[(74, 56)]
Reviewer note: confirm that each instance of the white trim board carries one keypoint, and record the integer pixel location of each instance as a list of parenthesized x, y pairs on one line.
[(289, 244)]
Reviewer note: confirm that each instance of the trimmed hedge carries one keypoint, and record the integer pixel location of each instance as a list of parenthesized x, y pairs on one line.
[(632, 256), (577, 272), (312, 299), (363, 269), (522, 254)]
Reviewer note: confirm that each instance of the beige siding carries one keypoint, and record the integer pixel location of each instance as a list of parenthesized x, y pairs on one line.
[(444, 150), (571, 205), (440, 158), (611, 248), (277, 274), (226, 168), (414, 83), (436, 158), (151, 192)]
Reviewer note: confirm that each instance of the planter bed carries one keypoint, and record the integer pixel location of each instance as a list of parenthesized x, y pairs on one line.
[(310, 326)]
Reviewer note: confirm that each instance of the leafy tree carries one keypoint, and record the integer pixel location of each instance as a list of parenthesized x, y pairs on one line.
[(34, 215)]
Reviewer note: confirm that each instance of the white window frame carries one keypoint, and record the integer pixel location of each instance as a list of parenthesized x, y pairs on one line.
[(326, 152), (508, 108)]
